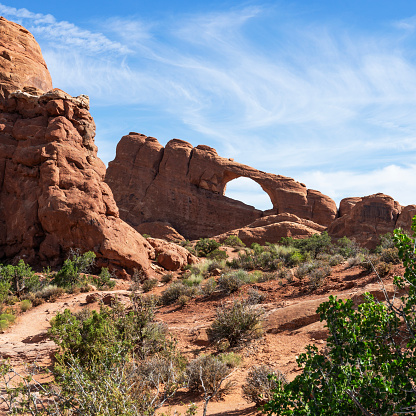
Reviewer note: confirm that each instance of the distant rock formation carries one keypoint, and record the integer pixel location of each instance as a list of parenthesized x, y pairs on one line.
[(365, 219), (184, 186), (273, 228)]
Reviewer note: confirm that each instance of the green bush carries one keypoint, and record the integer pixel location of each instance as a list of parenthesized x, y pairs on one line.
[(237, 324), (6, 319), (217, 254), (103, 281), (175, 290), (232, 281), (77, 263), (233, 241), (368, 367), (205, 246), (25, 305), (317, 243), (19, 279)]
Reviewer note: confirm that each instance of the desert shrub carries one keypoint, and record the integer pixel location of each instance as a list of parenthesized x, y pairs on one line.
[(217, 254), (266, 258), (6, 319), (204, 246), (232, 281), (355, 261), (267, 276), (368, 366), (383, 269), (305, 268), (233, 241), (231, 359), (192, 280), (19, 279), (259, 385), (335, 259), (215, 264), (255, 297), (346, 248), (369, 262), (50, 292), (176, 289), (25, 305), (317, 276), (77, 263), (149, 284), (386, 242), (209, 287), (183, 300), (237, 324), (315, 244), (390, 255), (103, 280), (206, 374), (167, 277)]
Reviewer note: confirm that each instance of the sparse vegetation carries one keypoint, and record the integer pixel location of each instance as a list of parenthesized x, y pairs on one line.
[(260, 383), (237, 323)]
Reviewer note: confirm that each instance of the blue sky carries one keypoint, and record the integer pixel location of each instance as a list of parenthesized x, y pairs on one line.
[(321, 91)]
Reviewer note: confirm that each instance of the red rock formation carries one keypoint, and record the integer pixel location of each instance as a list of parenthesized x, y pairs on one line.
[(21, 61), (365, 219), (185, 186), (162, 230), (272, 228), (52, 193)]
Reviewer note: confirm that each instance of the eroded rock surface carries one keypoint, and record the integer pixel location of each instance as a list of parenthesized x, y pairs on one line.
[(52, 193), (273, 228), (185, 185), (21, 61), (365, 219)]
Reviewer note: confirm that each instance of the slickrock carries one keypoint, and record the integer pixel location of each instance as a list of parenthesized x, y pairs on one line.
[(273, 228), (159, 229), (185, 185)]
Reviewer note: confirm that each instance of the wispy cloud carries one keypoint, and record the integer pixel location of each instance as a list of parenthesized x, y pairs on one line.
[(63, 34), (289, 97)]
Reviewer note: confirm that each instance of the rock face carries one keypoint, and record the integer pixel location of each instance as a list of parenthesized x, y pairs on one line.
[(184, 186), (365, 219), (52, 193), (273, 228), (21, 61)]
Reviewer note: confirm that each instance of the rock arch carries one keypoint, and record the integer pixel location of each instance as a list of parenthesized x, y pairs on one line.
[(185, 185)]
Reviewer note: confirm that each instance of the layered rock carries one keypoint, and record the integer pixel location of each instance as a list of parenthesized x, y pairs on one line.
[(185, 185), (365, 219), (273, 228)]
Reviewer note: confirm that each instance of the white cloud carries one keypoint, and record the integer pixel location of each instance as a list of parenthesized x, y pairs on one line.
[(63, 34), (305, 100)]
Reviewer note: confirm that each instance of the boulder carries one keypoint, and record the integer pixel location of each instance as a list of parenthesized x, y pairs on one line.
[(171, 256), (185, 186)]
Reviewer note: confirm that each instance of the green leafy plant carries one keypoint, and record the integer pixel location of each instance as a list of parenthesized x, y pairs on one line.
[(233, 241), (369, 366), (204, 246), (77, 263)]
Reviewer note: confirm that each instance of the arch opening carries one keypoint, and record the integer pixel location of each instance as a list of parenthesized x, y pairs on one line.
[(249, 192)]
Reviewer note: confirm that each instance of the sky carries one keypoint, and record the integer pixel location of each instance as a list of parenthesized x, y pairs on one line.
[(323, 91)]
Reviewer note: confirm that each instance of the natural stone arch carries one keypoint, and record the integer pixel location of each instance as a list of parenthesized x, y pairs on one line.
[(260, 187)]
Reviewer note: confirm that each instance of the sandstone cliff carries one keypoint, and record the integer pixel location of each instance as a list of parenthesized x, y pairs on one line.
[(184, 186)]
